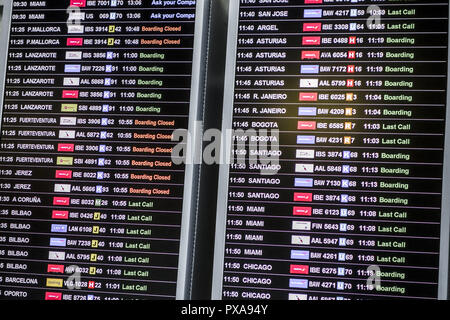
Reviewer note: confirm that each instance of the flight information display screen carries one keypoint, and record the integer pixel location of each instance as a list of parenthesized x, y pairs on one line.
[(356, 93), (90, 199)]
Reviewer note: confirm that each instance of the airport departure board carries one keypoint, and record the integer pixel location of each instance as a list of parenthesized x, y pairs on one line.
[(357, 92), (90, 199)]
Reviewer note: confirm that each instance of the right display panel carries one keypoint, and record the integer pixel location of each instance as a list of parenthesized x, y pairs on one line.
[(350, 98)]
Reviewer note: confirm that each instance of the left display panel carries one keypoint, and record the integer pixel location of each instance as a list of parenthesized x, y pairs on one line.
[(92, 204)]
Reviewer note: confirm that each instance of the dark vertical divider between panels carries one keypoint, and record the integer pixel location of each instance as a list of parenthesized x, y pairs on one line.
[(203, 245)]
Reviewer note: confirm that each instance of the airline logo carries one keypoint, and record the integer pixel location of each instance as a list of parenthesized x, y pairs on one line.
[(63, 215), (304, 154), (310, 55), (303, 197), (71, 82), (61, 201), (74, 55), (299, 296), (74, 42), (69, 107), (72, 68), (64, 188), (56, 283), (311, 41), (307, 111), (75, 28), (313, 1), (59, 228), (306, 139), (53, 296), (55, 268), (302, 211), (66, 147), (70, 94), (64, 161), (68, 121), (308, 96), (312, 13), (299, 254), (309, 83), (304, 182), (301, 240), (306, 125), (63, 174), (298, 283), (75, 15), (312, 27), (309, 69), (304, 168), (57, 255), (299, 269), (78, 3), (301, 225), (67, 134), (58, 242)]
